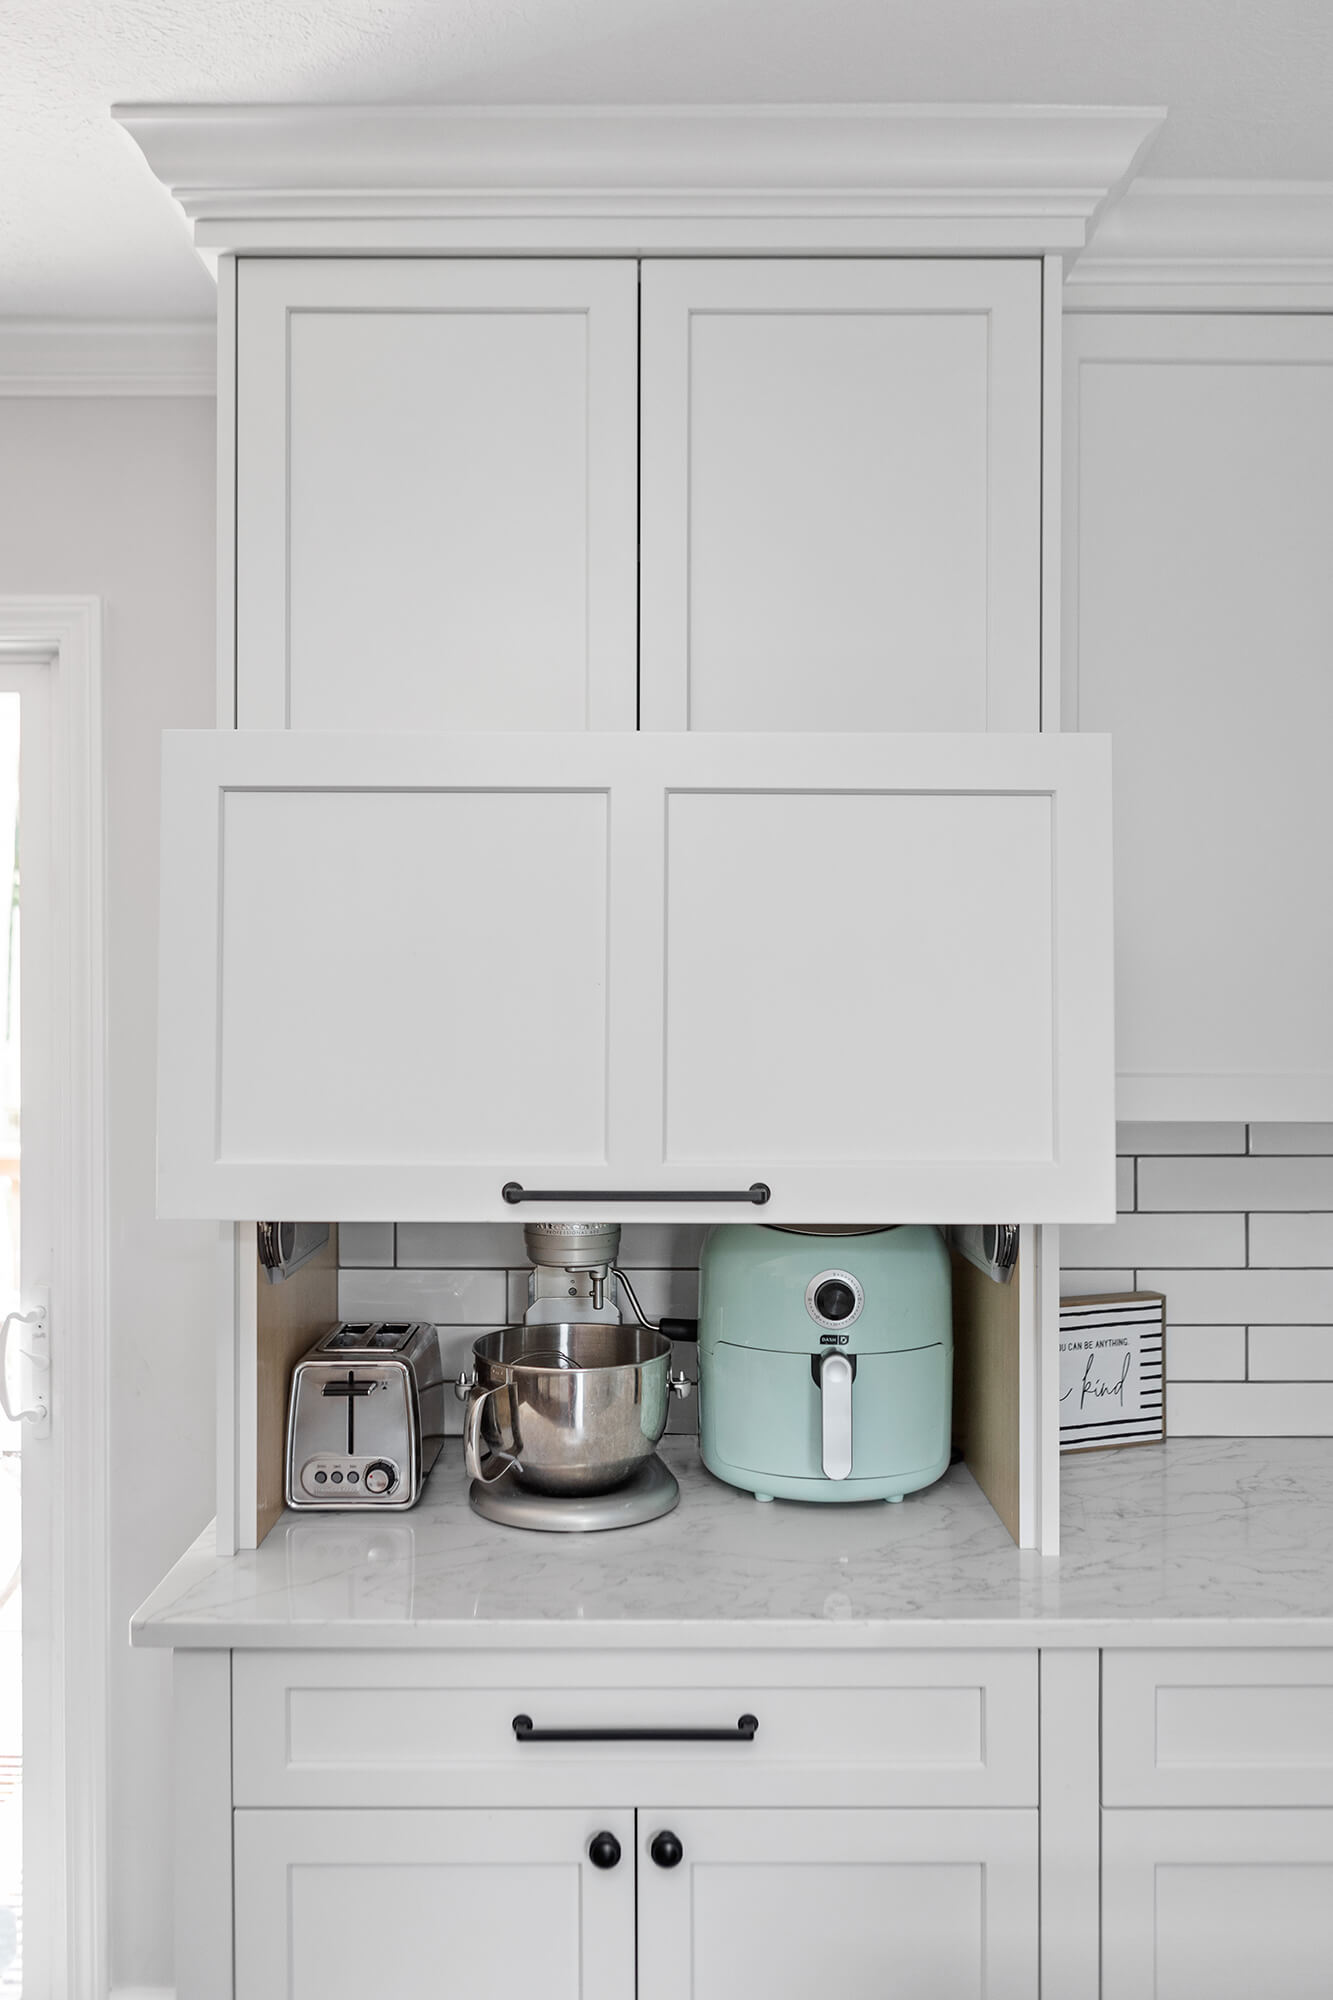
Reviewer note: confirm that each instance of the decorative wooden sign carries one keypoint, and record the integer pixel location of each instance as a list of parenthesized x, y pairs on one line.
[(1112, 1370)]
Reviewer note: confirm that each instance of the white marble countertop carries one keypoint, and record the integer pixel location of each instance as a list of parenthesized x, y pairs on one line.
[(1194, 1542)]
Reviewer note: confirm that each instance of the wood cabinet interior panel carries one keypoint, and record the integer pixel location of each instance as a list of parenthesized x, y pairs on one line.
[(288, 1319), (986, 1384)]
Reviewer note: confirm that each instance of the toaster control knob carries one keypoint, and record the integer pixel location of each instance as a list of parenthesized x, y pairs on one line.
[(380, 1477)]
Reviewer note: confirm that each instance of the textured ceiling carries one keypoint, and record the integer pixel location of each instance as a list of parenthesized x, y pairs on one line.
[(85, 231)]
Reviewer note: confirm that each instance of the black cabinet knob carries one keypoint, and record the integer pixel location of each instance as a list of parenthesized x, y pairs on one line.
[(666, 1850), (603, 1850)]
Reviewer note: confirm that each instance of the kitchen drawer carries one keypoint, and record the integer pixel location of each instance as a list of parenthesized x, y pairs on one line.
[(417, 1729), (1243, 1728)]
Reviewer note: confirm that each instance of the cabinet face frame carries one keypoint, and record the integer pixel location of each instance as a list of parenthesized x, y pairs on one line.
[(637, 774), (1004, 295), (269, 295), (1259, 780)]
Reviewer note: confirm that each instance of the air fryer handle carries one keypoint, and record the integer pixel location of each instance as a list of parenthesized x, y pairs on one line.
[(679, 1329)]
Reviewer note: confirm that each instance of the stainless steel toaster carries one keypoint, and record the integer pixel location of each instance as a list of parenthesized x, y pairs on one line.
[(366, 1418)]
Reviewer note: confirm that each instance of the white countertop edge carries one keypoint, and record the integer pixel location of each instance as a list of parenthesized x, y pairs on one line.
[(903, 1635)]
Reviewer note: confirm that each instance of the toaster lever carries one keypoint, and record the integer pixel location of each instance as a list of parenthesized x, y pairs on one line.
[(835, 1397)]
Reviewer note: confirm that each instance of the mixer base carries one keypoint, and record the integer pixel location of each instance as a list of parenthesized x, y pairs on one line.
[(646, 1494)]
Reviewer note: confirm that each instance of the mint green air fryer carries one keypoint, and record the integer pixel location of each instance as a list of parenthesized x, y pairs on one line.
[(825, 1361)]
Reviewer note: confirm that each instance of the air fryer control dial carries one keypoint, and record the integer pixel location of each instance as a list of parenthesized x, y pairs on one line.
[(834, 1298)]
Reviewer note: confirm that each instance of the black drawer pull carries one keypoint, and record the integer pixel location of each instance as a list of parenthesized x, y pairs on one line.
[(526, 1732), (758, 1192)]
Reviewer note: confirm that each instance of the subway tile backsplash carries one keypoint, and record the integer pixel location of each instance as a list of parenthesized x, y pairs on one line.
[(1234, 1224)]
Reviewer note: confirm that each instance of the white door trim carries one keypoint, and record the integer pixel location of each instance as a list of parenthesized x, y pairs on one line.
[(67, 631)]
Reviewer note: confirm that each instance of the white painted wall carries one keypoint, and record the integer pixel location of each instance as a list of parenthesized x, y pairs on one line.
[(114, 495)]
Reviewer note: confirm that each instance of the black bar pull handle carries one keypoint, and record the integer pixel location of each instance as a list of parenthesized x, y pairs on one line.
[(758, 1192), (526, 1731)]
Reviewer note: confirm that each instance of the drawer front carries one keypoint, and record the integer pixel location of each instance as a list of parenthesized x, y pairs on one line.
[(1243, 1728), (386, 1729)]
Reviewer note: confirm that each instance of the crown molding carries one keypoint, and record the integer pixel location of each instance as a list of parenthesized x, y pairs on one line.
[(1181, 246), (282, 179), (107, 358)]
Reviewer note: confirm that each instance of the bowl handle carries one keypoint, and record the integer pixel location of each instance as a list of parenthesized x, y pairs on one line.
[(472, 1441)]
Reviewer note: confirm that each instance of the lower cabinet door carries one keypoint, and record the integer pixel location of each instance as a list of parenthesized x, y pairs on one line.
[(1217, 1905), (920, 1905), (342, 1905)]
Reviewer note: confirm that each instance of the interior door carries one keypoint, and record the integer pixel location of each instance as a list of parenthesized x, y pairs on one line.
[(841, 492), (436, 493), (341, 1905), (837, 978), (922, 1905)]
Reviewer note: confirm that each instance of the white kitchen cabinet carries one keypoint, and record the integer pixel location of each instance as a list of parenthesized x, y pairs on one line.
[(337, 1906), (441, 462), (402, 975), (1218, 1904), (922, 1905), (436, 502), (841, 494), (1198, 622)]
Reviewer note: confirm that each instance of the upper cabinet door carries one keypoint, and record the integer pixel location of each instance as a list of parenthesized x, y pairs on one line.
[(1198, 607), (841, 464), (400, 974), (436, 494)]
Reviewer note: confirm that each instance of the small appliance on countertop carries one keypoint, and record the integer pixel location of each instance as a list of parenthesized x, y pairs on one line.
[(825, 1360), (365, 1421), (565, 1412)]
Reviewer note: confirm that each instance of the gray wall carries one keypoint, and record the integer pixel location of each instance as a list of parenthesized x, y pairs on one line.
[(114, 496)]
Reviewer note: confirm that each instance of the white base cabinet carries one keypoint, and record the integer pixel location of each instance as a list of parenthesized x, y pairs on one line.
[(923, 1905), (1016, 1827), (1217, 1905), (920, 1905), (340, 1905)]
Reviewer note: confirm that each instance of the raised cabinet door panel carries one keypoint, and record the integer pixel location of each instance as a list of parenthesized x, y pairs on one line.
[(841, 494), (1217, 1905), (920, 1905), (1198, 606), (436, 493), (339, 1906), (870, 972)]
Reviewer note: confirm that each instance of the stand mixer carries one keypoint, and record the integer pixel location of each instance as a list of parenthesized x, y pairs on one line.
[(573, 1401)]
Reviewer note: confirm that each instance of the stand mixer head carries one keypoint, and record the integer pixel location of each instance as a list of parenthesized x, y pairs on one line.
[(571, 1261)]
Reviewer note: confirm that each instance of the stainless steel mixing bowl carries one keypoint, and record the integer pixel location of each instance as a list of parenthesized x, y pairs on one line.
[(573, 1407)]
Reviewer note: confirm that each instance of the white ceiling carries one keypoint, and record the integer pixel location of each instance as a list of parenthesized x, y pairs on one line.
[(86, 232)]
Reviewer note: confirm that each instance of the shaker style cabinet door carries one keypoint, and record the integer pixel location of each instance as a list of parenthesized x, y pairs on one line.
[(402, 975), (344, 1905), (1198, 613), (1225, 1905), (918, 1905), (436, 504), (841, 492)]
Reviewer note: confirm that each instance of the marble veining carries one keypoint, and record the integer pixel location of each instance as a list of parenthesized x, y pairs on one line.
[(1232, 1530)]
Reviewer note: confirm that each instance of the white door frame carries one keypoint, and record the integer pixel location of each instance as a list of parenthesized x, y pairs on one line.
[(66, 633)]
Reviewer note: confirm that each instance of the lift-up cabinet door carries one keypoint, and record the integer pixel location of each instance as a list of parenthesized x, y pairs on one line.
[(412, 977)]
